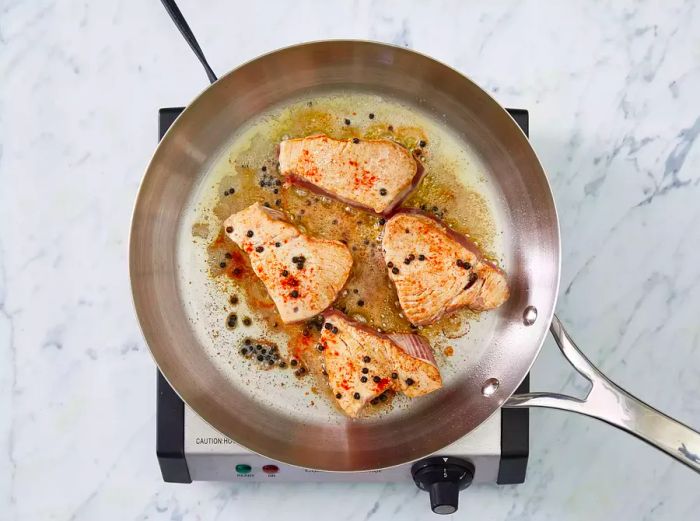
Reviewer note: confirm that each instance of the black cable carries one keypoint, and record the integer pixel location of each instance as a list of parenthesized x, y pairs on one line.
[(186, 32)]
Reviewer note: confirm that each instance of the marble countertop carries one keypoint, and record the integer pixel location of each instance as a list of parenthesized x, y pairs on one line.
[(613, 90)]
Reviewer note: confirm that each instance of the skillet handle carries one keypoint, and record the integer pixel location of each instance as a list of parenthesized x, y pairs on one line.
[(612, 404)]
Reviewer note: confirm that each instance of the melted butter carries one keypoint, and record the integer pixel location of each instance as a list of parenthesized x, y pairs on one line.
[(248, 172)]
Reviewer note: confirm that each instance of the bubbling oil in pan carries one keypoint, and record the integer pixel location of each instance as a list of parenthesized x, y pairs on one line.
[(234, 318)]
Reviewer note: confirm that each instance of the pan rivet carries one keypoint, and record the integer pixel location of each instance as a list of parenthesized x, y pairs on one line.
[(529, 315), (490, 386)]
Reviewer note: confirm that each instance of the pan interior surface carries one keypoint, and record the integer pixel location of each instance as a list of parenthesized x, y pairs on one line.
[(246, 173), (182, 310)]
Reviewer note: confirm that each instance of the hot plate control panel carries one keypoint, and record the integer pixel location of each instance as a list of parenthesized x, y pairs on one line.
[(211, 456)]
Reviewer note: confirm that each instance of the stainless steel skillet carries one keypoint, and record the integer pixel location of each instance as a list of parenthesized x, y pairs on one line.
[(533, 264)]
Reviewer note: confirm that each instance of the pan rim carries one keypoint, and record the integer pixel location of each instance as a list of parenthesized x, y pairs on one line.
[(178, 123)]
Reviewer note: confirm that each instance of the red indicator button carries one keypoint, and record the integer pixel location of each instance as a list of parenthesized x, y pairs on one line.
[(271, 469)]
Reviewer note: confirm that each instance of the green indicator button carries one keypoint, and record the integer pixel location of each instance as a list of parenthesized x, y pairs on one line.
[(242, 468)]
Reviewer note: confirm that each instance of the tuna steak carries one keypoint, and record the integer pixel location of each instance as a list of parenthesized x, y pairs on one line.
[(373, 174), (362, 363), (302, 274), (435, 270)]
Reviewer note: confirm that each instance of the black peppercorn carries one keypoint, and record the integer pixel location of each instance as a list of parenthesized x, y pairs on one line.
[(328, 326), (229, 229), (389, 264), (382, 221), (249, 233), (338, 396), (285, 273), (371, 115), (421, 143), (411, 257), (383, 397), (394, 375), (395, 270), (264, 169), (335, 330), (347, 121), (409, 381), (244, 351), (294, 294), (421, 257), (228, 255), (376, 379), (360, 303), (356, 396), (363, 379), (261, 358), (407, 261), (247, 321), (356, 140), (472, 279), (382, 191), (320, 347), (259, 249), (277, 244), (247, 341), (365, 370), (222, 265), (366, 359)]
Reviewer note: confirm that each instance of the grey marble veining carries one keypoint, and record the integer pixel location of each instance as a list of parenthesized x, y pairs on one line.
[(613, 93)]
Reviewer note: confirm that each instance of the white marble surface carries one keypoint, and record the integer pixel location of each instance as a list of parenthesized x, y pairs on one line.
[(614, 94)]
